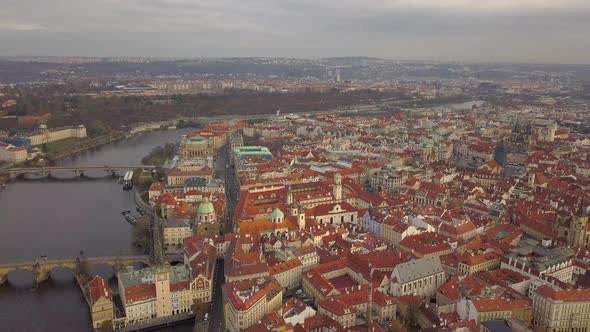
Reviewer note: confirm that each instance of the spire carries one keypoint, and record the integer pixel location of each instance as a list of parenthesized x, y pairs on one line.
[(289, 195), (582, 209)]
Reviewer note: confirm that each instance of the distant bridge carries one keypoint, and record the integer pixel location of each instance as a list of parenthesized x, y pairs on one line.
[(41, 267), (77, 170)]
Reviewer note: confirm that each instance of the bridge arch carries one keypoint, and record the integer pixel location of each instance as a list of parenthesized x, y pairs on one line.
[(41, 270)]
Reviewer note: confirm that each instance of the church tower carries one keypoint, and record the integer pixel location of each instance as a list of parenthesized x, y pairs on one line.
[(531, 179), (404, 134), (579, 229), (301, 218), (551, 129), (337, 187), (294, 210), (289, 195)]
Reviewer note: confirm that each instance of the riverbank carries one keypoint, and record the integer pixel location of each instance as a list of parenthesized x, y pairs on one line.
[(86, 145), (84, 215)]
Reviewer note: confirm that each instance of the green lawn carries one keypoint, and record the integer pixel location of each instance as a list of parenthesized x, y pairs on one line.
[(62, 145)]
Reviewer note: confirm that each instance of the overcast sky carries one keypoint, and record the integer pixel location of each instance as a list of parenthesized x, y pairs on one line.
[(471, 30)]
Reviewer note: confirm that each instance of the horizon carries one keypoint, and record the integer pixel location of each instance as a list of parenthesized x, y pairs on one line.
[(502, 31), (342, 57)]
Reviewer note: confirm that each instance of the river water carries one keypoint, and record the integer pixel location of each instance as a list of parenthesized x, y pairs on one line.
[(459, 106), (59, 219)]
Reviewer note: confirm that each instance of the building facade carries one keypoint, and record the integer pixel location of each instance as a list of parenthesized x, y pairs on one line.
[(247, 301), (561, 310)]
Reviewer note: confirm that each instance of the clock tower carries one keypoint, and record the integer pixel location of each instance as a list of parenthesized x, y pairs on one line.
[(163, 299)]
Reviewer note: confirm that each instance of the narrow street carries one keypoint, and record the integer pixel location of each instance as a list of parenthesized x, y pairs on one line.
[(216, 316), (232, 191)]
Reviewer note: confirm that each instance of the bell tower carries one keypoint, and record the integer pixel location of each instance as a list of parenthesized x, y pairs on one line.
[(301, 218), (163, 298), (294, 210), (289, 195), (337, 187)]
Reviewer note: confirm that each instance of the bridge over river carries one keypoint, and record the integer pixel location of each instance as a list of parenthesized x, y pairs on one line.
[(41, 267), (77, 170)]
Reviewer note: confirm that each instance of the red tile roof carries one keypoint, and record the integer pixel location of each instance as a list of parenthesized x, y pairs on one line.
[(575, 295), (97, 288)]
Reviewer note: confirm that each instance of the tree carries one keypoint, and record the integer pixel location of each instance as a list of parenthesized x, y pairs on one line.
[(396, 326), (141, 234), (96, 128), (159, 155)]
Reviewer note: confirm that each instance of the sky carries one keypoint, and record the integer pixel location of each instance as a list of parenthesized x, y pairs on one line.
[(540, 31)]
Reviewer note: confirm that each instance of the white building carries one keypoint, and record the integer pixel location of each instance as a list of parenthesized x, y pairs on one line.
[(47, 136), (12, 154)]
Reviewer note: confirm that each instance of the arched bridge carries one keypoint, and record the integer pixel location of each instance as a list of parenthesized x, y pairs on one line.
[(41, 268), (77, 170)]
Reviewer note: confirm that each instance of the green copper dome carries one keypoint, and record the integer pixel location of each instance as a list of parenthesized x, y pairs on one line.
[(206, 207), (276, 213)]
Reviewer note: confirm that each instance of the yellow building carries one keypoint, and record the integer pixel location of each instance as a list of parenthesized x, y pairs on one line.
[(482, 310), (175, 231), (100, 301), (471, 264), (341, 312), (561, 310), (249, 300), (201, 144), (288, 273), (579, 229), (47, 136), (163, 300)]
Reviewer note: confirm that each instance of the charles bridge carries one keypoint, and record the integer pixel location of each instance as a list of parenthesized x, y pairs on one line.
[(41, 267)]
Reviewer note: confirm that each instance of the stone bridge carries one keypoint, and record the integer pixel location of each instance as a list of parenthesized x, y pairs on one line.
[(41, 268), (77, 170)]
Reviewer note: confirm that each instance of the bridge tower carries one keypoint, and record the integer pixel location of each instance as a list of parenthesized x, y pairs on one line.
[(83, 267), (157, 248), (39, 274)]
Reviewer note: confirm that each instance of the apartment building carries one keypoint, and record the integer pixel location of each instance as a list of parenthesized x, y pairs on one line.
[(247, 301), (561, 310)]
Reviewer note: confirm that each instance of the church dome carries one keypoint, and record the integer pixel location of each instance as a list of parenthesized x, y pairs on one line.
[(206, 207), (276, 213)]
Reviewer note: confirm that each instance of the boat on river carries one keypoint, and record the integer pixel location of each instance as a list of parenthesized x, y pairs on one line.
[(128, 180), (131, 219)]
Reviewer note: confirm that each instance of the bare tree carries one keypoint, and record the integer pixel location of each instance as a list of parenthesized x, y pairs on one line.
[(396, 326), (141, 234)]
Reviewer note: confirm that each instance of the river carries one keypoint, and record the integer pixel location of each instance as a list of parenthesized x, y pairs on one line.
[(460, 106), (59, 219)]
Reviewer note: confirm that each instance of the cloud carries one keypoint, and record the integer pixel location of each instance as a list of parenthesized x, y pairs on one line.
[(498, 30), (20, 26)]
